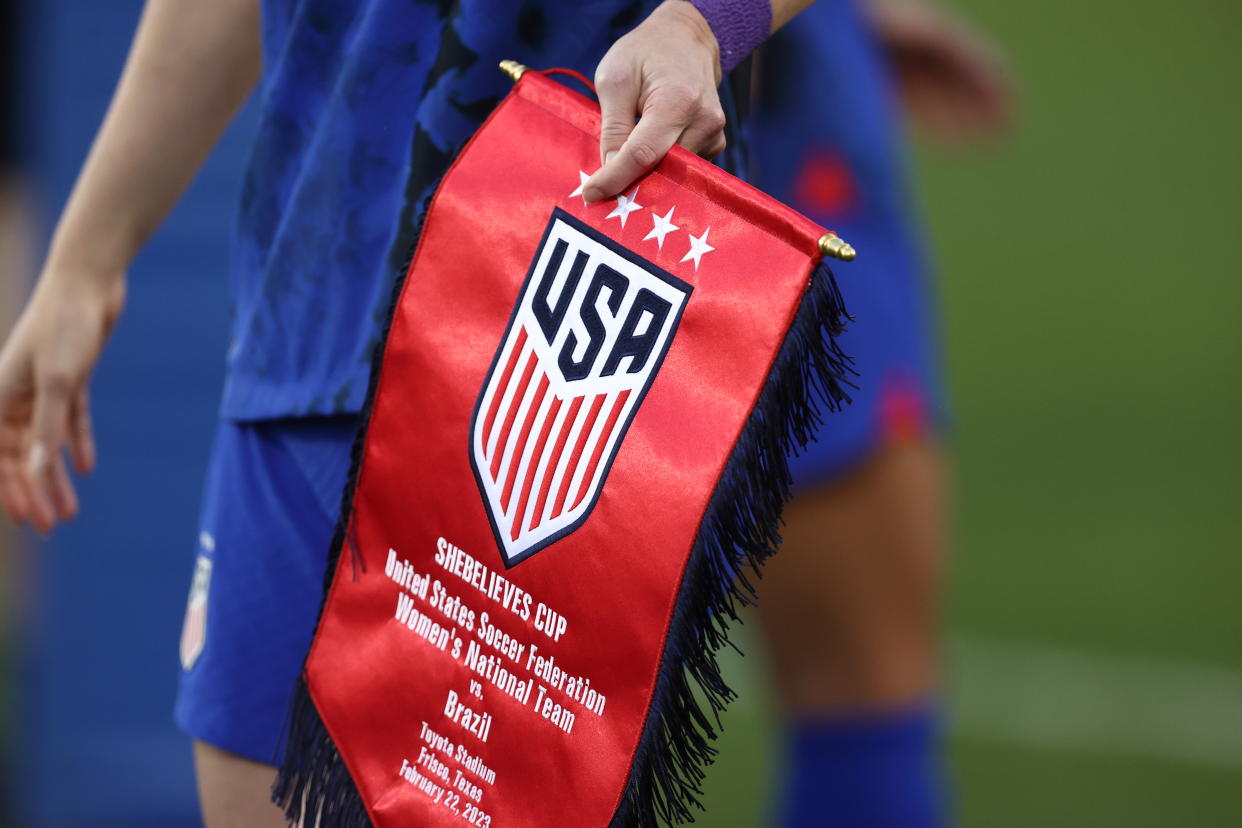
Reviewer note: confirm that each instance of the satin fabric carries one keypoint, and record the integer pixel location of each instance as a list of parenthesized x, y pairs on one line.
[(615, 579)]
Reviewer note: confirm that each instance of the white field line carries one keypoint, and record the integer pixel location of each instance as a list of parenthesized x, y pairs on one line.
[(1046, 697), (1072, 700)]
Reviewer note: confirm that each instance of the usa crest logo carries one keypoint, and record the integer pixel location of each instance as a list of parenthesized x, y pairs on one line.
[(590, 329), (194, 626)]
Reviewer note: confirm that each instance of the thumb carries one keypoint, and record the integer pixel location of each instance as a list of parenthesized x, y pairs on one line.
[(618, 104)]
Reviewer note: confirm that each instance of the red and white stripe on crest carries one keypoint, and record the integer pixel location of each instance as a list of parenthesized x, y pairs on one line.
[(543, 449), (194, 626)]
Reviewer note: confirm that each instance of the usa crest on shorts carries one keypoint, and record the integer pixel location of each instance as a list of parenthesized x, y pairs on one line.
[(590, 329), (194, 627)]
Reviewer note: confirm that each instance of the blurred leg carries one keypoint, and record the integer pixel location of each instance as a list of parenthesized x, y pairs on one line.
[(849, 605), (233, 791), (850, 612)]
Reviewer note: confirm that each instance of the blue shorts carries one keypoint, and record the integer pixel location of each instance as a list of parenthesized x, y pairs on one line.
[(270, 505), (898, 398)]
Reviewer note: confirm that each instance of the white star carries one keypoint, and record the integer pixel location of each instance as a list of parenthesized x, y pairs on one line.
[(582, 180), (625, 205), (698, 246), (661, 226)]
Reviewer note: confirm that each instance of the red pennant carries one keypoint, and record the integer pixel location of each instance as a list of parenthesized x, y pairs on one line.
[(575, 446)]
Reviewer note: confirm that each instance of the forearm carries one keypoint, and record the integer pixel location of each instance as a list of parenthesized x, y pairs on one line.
[(191, 66)]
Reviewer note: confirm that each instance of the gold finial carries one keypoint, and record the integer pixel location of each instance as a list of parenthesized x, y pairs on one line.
[(830, 244), (513, 69)]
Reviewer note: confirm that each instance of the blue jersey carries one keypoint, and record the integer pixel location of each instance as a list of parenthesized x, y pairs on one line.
[(364, 105)]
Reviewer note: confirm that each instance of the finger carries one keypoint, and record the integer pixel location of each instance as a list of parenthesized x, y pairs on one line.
[(49, 423), (662, 122), (64, 498), (81, 434), (618, 106), (42, 513), (705, 136)]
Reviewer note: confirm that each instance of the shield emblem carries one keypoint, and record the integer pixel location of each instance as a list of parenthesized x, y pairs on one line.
[(590, 329), (194, 627)]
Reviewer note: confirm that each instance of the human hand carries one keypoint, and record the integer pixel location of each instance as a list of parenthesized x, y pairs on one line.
[(665, 73), (45, 367), (951, 78)]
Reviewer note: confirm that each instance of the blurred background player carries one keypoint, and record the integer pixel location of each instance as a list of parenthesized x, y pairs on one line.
[(850, 608)]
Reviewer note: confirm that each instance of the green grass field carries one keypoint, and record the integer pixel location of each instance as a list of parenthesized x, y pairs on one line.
[(1093, 302)]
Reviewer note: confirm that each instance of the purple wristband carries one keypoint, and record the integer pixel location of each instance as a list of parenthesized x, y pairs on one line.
[(739, 25)]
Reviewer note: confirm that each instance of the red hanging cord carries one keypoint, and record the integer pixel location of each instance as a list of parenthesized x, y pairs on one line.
[(571, 73)]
